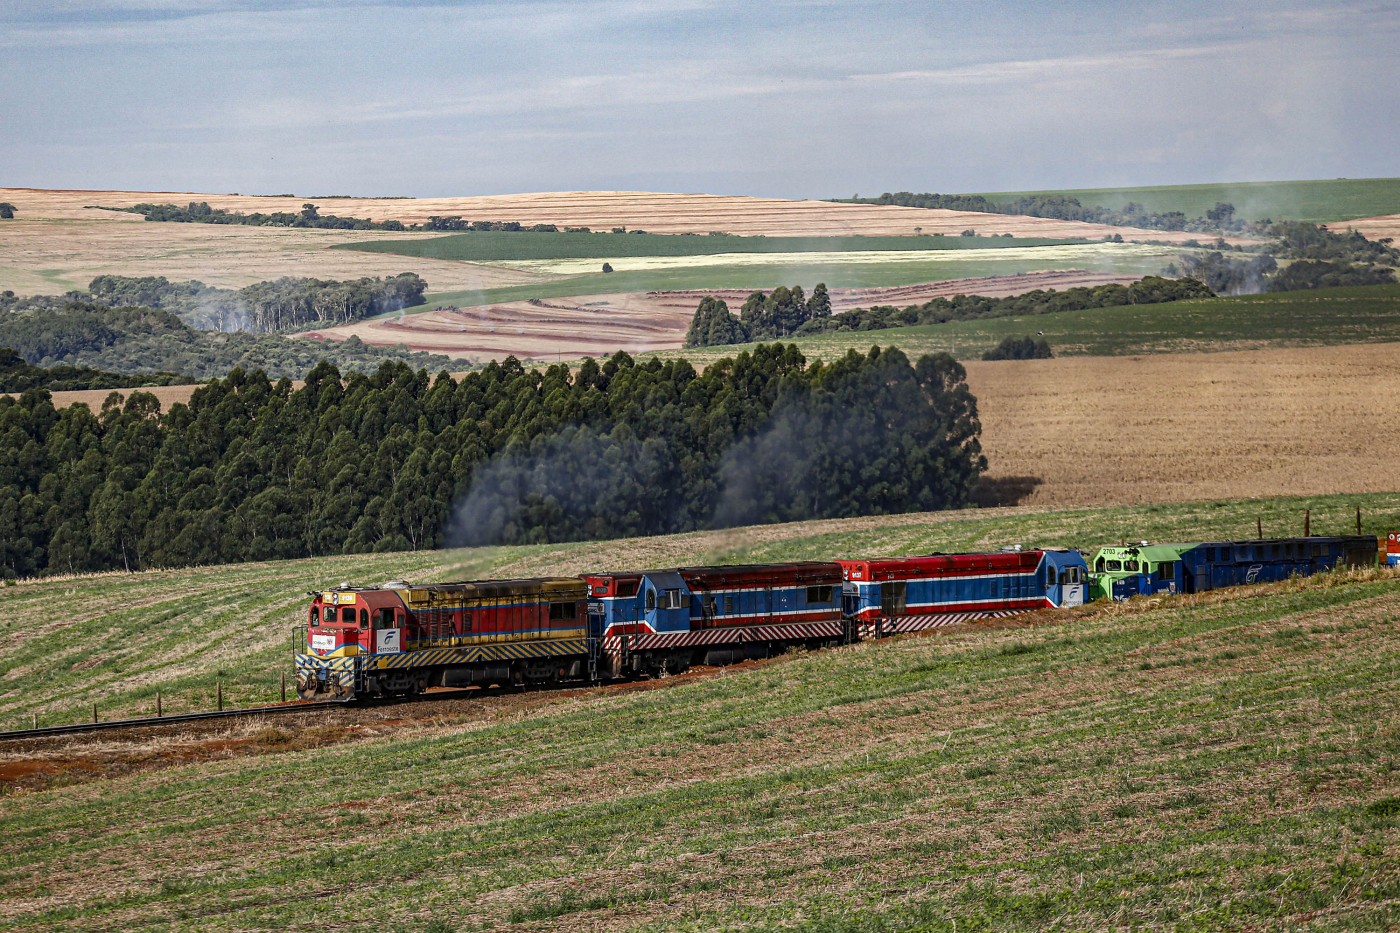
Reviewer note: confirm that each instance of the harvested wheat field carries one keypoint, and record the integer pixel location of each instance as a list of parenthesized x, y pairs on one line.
[(638, 322), (48, 256), (1168, 428), (61, 240)]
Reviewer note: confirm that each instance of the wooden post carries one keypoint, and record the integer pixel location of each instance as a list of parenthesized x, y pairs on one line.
[(34, 720), (1358, 519), (159, 710), (94, 711), (284, 686), (1307, 523), (1259, 527), (220, 690)]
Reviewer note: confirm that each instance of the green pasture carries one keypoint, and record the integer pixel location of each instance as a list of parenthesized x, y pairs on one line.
[(116, 639), (1287, 319), (1216, 763), (495, 246), (768, 277), (1319, 201)]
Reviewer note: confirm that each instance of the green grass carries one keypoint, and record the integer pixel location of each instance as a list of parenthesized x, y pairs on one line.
[(1190, 763), (1320, 201), (116, 639), (516, 247), (769, 276), (1290, 319)]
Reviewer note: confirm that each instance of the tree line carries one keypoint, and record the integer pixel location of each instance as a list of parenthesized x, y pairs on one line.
[(288, 303), (252, 469), (78, 331), (1220, 218), (199, 212), (714, 325)]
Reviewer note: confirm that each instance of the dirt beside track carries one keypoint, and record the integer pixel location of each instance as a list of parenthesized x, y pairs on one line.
[(35, 764)]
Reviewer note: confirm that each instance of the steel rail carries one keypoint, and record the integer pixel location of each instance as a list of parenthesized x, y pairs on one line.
[(75, 728)]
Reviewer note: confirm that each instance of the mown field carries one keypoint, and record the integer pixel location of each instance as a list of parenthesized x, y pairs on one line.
[(791, 269), (1318, 201), (1289, 319), (117, 639), (1225, 762), (496, 246)]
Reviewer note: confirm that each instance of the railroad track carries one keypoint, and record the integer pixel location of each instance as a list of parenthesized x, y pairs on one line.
[(76, 728)]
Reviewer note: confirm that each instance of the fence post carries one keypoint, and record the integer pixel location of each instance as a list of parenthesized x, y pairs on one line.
[(34, 720), (1259, 527), (220, 690), (159, 709), (284, 686), (1307, 523), (1358, 519), (94, 711)]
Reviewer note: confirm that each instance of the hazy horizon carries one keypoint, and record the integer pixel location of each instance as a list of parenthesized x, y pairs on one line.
[(815, 99)]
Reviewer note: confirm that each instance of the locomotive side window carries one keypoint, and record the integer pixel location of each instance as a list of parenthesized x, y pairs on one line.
[(315, 617), (671, 599), (1049, 574), (364, 617), (563, 611), (818, 594), (651, 600), (1115, 565), (385, 620), (728, 605), (347, 614), (328, 613)]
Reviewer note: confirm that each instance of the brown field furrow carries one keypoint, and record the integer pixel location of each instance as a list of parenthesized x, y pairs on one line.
[(1373, 228), (641, 322), (603, 210), (1171, 428)]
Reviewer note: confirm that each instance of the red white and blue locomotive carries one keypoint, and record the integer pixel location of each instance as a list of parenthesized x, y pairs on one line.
[(398, 639)]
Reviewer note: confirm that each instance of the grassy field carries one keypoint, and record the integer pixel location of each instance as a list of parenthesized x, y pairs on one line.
[(1104, 257), (1291, 319), (524, 245), (1226, 762), (115, 639), (1320, 201)]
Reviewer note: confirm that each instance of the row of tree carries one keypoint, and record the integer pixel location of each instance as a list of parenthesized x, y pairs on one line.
[(714, 325), (199, 212), (287, 303), (251, 469), (52, 331), (1220, 218)]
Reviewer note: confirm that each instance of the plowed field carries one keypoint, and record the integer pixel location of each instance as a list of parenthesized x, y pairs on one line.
[(638, 322)]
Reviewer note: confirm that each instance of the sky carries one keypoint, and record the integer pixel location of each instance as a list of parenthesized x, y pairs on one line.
[(782, 99)]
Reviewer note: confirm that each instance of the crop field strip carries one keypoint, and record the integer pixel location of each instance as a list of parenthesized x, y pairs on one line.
[(1217, 762), (1325, 201), (116, 639), (58, 242)]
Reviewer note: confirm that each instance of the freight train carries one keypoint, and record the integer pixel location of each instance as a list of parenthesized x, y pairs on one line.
[(399, 639)]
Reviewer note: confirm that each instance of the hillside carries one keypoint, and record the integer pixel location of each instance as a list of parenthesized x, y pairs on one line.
[(125, 636), (1324, 201), (1220, 762)]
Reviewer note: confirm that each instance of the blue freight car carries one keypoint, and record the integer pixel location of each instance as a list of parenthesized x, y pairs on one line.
[(1122, 572)]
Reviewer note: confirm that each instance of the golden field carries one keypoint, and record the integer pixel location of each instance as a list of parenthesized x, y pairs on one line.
[(59, 240)]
